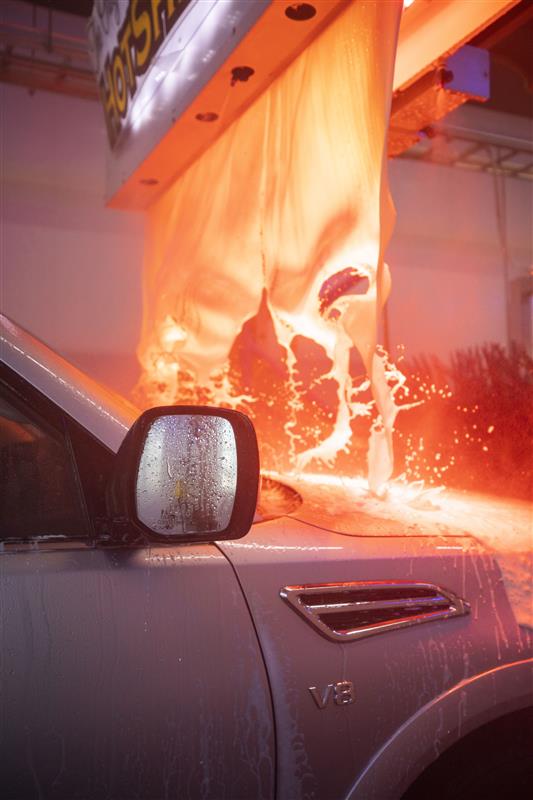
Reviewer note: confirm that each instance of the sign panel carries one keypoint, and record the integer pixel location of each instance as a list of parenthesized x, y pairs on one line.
[(125, 38), (153, 59)]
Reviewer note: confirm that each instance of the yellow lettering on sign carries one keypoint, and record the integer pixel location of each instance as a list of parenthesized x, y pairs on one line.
[(156, 22), (119, 84), (125, 50), (142, 27), (107, 93), (171, 7)]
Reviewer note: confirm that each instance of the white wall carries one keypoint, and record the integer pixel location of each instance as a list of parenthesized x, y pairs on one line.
[(448, 285), (70, 269)]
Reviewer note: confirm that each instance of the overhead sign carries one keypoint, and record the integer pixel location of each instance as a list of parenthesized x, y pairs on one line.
[(125, 38), (160, 63)]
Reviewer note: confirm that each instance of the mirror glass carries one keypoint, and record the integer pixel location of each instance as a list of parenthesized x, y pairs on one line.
[(187, 475)]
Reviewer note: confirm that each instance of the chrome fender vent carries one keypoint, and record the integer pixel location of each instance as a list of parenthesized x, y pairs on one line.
[(348, 611)]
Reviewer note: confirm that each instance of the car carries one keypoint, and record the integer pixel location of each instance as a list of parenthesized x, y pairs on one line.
[(163, 637)]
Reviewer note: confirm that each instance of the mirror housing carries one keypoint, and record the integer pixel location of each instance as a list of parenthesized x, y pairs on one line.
[(185, 474)]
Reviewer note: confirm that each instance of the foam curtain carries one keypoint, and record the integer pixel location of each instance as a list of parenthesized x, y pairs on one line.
[(293, 193)]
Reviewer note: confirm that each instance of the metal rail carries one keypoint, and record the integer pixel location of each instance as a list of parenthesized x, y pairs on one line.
[(46, 59), (454, 146)]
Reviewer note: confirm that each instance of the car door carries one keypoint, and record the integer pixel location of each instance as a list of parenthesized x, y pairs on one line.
[(125, 672)]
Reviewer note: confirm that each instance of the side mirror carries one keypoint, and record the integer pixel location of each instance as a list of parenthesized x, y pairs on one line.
[(185, 474)]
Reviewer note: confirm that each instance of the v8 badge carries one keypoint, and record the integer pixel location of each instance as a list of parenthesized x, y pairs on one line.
[(342, 693)]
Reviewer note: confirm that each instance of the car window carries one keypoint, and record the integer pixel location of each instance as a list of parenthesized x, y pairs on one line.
[(39, 494)]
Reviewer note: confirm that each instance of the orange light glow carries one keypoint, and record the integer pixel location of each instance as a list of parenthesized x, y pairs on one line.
[(264, 273)]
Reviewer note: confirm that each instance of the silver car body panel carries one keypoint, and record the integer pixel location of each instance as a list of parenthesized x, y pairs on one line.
[(322, 751), (130, 674), (437, 725)]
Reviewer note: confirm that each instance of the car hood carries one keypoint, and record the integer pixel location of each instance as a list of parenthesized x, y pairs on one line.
[(345, 505), (332, 510)]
